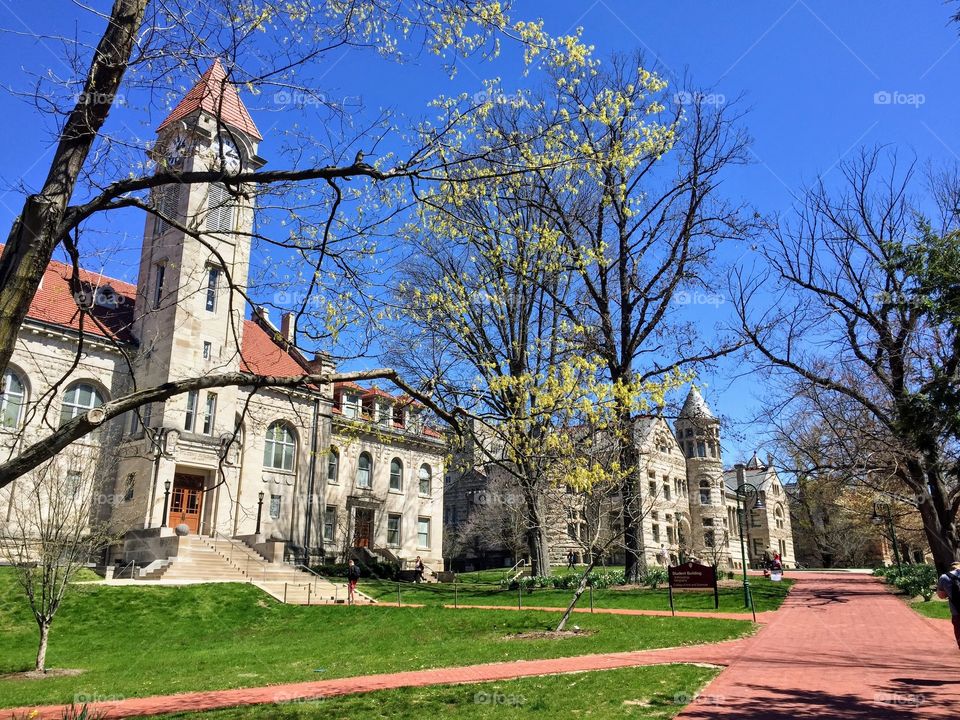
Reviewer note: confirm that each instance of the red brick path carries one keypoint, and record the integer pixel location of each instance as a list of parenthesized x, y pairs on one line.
[(841, 647)]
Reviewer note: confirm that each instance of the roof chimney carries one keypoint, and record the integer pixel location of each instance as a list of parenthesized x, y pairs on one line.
[(288, 327), (741, 474)]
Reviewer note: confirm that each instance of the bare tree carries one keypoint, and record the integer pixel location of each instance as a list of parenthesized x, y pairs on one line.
[(54, 529), (862, 334)]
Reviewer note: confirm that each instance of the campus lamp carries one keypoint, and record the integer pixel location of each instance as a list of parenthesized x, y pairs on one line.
[(746, 491), (259, 510)]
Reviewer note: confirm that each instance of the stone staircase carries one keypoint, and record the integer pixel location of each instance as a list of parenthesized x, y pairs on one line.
[(205, 559)]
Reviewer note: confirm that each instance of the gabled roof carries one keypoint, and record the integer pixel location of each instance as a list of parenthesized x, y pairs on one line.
[(260, 355), (219, 97), (110, 302)]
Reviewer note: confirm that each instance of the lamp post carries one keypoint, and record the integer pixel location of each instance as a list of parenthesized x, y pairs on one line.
[(166, 502), (745, 490), (259, 510), (878, 519)]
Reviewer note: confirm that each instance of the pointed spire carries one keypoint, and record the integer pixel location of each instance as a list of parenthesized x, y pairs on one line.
[(695, 406), (219, 97), (754, 462)]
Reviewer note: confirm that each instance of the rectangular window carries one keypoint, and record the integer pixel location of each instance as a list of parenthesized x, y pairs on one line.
[(207, 350), (274, 506), (210, 416), (74, 480), (423, 533), (193, 397), (755, 518), (757, 547), (220, 205), (572, 531), (653, 488), (159, 273), (351, 406), (147, 411), (656, 533), (666, 490), (167, 203), (670, 534), (393, 530), (129, 486), (329, 523), (213, 285)]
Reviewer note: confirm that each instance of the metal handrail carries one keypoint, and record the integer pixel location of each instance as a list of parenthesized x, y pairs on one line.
[(247, 550), (124, 567), (521, 563)]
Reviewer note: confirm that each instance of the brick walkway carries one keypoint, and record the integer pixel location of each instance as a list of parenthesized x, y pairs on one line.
[(840, 647)]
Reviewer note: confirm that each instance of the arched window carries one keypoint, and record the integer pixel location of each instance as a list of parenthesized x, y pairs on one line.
[(778, 517), (13, 398), (426, 479), (280, 447), (396, 474), (79, 399), (364, 470), (706, 496), (333, 466)]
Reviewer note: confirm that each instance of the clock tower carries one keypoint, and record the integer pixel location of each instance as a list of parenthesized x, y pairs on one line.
[(190, 305)]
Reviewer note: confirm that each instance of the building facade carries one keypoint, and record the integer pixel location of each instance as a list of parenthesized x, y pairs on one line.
[(321, 470), (689, 503)]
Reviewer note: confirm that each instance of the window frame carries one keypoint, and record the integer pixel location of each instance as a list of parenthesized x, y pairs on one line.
[(428, 478), (5, 399), (212, 288), (77, 409), (368, 470), (398, 475), (272, 440), (333, 461), (190, 415), (421, 520), (398, 530), (330, 519), (209, 414)]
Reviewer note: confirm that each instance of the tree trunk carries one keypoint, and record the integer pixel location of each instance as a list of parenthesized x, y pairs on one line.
[(539, 549), (581, 587), (629, 456), (42, 649), (40, 226)]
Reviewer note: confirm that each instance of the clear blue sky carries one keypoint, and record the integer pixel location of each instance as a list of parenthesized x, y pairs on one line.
[(819, 78)]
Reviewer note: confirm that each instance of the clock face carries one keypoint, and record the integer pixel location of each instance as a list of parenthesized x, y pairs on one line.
[(225, 148), (177, 150)]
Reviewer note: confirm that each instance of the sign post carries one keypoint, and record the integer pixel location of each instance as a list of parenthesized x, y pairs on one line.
[(693, 576)]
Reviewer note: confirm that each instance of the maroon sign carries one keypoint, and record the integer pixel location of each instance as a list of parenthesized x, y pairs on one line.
[(693, 576)]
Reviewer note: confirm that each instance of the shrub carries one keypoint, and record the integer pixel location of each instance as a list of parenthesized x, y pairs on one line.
[(912, 580)]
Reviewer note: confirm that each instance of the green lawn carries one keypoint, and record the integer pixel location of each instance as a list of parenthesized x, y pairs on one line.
[(649, 692), (936, 608), (156, 640), (767, 595)]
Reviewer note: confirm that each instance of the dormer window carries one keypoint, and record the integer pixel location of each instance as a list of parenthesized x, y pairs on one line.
[(398, 416), (351, 405)]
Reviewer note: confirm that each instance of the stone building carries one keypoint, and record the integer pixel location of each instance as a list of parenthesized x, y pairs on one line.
[(688, 502), (316, 470)]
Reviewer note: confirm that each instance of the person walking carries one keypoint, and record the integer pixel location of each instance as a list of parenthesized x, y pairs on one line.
[(418, 568), (353, 577), (948, 588), (571, 560), (664, 555)]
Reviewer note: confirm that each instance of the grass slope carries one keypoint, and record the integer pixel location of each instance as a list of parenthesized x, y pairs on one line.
[(160, 640), (936, 608), (648, 692)]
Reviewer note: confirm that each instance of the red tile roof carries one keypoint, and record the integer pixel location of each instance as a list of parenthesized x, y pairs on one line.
[(110, 302), (262, 356), (219, 97)]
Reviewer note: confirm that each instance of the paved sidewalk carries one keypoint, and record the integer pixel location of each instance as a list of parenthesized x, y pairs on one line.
[(722, 653), (841, 647)]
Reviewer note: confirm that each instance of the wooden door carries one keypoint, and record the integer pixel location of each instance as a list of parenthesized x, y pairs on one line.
[(186, 501), (362, 527)]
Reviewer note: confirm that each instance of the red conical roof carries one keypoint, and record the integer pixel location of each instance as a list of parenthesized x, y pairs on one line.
[(219, 97)]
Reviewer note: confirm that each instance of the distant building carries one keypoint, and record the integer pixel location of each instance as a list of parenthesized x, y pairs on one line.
[(689, 500)]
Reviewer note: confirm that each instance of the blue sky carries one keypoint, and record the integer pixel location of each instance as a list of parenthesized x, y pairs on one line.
[(818, 78)]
